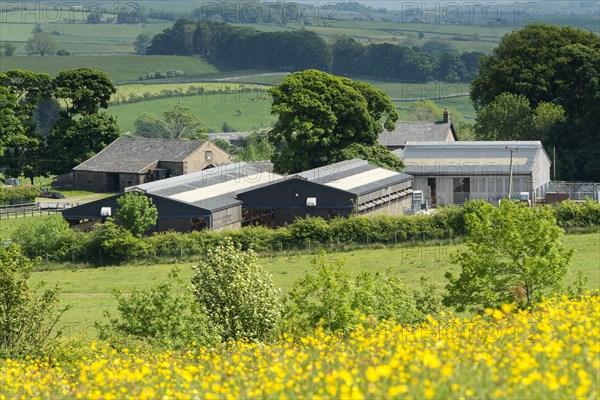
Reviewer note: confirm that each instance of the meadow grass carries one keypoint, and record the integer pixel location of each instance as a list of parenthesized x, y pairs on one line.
[(88, 290), (120, 68), (213, 110)]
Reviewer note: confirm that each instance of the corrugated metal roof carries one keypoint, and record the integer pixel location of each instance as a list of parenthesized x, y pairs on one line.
[(135, 155), (355, 176), (212, 189), (470, 158)]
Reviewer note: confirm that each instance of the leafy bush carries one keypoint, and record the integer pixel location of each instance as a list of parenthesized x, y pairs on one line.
[(310, 230), (27, 320), (110, 242), (513, 253), (570, 214), (165, 315), (331, 299), (18, 195), (46, 236), (236, 294)]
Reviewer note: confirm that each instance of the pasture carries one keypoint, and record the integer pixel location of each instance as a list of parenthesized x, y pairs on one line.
[(120, 68), (242, 111), (89, 290)]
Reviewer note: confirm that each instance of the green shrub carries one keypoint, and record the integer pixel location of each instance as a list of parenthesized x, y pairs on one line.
[(46, 236), (18, 195), (27, 319), (331, 299), (165, 316), (570, 214), (310, 230), (236, 294), (109, 242)]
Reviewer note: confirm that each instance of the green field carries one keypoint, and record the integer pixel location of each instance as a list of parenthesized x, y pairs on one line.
[(120, 68), (214, 110), (89, 290)]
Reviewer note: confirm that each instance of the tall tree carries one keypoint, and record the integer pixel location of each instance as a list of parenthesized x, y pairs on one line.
[(71, 142), (182, 123), (508, 117), (41, 43), (85, 90), (9, 49), (321, 114), (558, 65), (136, 213), (149, 125), (141, 43)]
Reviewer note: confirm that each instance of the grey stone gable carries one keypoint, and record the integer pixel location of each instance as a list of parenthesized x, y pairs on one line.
[(132, 155), (418, 131)]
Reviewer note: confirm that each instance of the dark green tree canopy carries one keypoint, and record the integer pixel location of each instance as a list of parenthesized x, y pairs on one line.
[(559, 67), (534, 62), (86, 90), (320, 115)]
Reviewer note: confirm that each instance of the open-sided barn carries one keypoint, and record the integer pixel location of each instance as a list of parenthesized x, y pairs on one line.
[(340, 189), (452, 172)]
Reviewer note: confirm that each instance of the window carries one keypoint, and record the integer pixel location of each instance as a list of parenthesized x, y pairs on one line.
[(208, 156)]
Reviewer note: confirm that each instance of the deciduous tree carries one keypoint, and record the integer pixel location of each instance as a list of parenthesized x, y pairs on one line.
[(513, 253), (41, 43), (320, 115), (136, 213)]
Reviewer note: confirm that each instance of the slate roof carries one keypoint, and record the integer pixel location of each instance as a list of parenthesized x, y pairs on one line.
[(355, 176), (133, 155), (418, 131), (215, 188), (471, 158)]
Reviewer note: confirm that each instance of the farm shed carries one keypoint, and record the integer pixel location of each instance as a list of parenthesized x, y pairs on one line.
[(130, 161), (419, 131), (340, 189), (452, 172), (213, 191), (172, 215)]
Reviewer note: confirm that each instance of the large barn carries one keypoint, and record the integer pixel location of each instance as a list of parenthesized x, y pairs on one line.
[(201, 200), (340, 189), (453, 172), (132, 161)]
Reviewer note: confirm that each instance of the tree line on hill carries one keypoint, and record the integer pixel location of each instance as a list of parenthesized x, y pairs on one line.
[(246, 47)]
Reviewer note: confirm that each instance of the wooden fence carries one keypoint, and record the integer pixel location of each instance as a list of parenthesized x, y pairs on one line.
[(32, 209)]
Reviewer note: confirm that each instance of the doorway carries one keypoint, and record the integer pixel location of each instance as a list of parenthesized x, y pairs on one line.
[(432, 184), (462, 190)]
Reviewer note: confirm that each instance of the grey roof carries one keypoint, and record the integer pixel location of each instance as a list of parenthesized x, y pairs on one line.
[(418, 131), (229, 135), (215, 188), (135, 155), (471, 158), (354, 176)]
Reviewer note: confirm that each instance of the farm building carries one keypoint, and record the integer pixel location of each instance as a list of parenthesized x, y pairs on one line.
[(130, 161), (340, 189), (452, 172), (419, 131), (213, 191), (204, 199)]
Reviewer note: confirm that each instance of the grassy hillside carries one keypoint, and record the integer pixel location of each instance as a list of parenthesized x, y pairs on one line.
[(89, 290), (120, 68), (214, 110)]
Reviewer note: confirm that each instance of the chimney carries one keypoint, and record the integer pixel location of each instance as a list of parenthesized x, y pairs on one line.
[(446, 116)]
